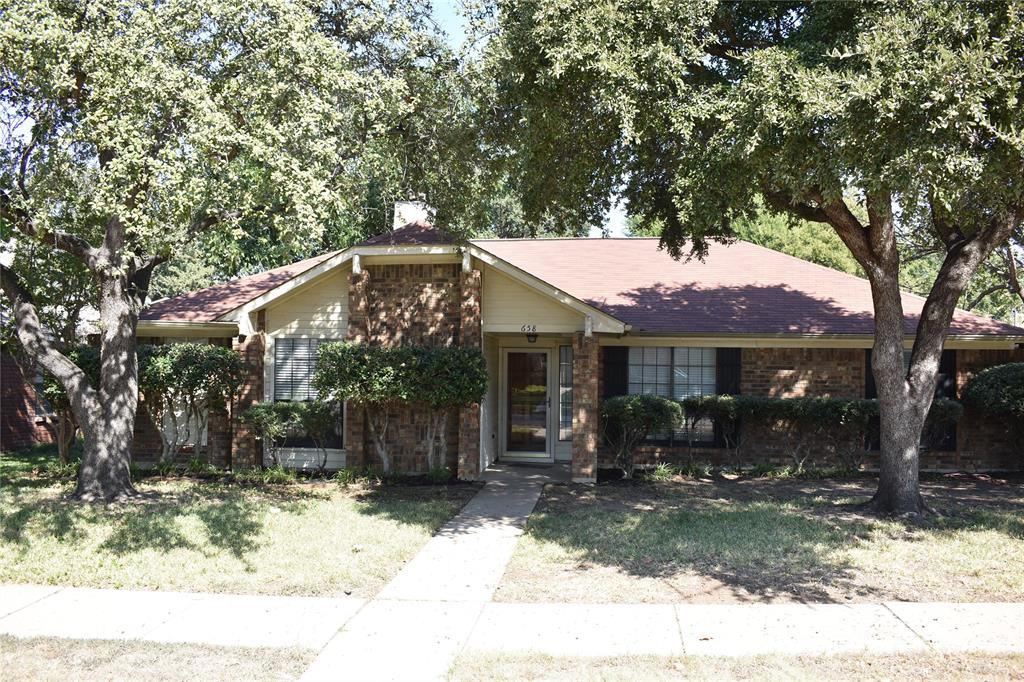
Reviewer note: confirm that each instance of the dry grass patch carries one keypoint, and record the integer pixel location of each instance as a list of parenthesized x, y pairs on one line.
[(929, 667), (304, 539), (59, 660), (759, 540)]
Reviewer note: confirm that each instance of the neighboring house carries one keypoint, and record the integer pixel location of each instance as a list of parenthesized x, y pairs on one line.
[(564, 323), (25, 417)]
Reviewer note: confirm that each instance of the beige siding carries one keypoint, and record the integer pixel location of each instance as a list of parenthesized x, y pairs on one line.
[(508, 304), (319, 309)]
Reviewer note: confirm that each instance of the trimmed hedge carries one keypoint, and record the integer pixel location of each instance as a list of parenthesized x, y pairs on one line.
[(627, 419), (377, 378), (809, 425)]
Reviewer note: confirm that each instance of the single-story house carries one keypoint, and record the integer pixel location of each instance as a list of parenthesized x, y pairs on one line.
[(562, 323)]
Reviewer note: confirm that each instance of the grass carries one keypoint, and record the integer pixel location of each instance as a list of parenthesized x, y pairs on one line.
[(300, 539), (764, 541), (930, 666), (47, 658)]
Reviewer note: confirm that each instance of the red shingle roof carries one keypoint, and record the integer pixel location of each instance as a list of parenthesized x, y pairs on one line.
[(210, 303), (738, 289)]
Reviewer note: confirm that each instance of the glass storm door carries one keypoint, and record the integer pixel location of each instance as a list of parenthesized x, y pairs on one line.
[(527, 402)]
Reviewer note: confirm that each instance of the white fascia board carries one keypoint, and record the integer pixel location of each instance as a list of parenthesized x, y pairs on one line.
[(603, 322), (173, 328)]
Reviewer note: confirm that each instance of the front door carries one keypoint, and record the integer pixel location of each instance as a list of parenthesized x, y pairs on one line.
[(527, 403)]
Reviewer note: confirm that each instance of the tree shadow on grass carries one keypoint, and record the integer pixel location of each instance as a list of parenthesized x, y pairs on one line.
[(429, 506), (755, 550), (231, 519)]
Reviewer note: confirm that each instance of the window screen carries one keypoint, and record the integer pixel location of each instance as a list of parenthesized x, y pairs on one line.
[(565, 393)]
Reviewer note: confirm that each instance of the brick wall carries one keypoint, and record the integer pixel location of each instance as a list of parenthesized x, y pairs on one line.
[(796, 372), (414, 304), (21, 423), (246, 449)]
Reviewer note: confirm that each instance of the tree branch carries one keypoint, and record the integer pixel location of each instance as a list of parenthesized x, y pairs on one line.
[(83, 397), (73, 244)]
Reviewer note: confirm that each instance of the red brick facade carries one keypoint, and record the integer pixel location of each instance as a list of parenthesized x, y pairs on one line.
[(22, 423), (425, 304), (586, 406)]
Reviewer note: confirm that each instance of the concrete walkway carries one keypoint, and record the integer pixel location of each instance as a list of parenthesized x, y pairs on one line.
[(432, 606)]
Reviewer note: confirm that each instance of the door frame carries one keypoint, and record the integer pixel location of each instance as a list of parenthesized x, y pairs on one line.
[(548, 455)]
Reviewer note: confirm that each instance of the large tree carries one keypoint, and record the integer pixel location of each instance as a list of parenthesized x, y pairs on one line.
[(137, 128), (876, 119)]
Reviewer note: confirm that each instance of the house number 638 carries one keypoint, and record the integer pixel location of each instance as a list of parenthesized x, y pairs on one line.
[(529, 328)]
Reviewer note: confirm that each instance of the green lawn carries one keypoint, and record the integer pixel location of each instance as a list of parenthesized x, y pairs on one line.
[(762, 540), (930, 666), (301, 539), (48, 658)]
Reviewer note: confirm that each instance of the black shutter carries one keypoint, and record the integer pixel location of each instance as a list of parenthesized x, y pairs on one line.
[(616, 371), (870, 389), (727, 382), (727, 376), (945, 387)]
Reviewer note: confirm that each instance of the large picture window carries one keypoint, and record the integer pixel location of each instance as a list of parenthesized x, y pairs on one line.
[(565, 393), (677, 373)]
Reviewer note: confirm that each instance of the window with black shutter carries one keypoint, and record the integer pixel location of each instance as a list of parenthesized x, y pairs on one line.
[(945, 387)]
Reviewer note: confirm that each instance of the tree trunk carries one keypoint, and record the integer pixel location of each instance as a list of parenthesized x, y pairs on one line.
[(377, 419), (898, 491), (110, 430)]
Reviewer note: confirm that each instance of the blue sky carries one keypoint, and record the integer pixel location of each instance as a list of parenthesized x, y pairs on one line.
[(452, 22)]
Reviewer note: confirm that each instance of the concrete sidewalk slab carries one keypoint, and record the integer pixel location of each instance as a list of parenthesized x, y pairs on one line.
[(218, 619), (85, 613), (994, 628), (254, 621), (16, 597), (578, 629), (397, 640), (755, 629)]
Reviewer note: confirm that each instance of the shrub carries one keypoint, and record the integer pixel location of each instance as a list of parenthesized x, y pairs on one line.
[(998, 391), (182, 382), (378, 379), (271, 422), (662, 472), (347, 477), (444, 378), (166, 468), (439, 475), (626, 420), (197, 466)]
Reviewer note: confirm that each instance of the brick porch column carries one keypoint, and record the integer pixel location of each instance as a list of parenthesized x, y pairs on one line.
[(470, 335), (358, 332), (585, 408), (245, 448)]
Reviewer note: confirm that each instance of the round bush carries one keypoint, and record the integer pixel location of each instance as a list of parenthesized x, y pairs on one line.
[(998, 390)]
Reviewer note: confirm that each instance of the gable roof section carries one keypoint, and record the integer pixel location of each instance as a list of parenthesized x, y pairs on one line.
[(739, 288), (212, 302)]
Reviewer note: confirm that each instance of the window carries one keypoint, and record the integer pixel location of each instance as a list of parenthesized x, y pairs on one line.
[(294, 363), (43, 407), (677, 373), (565, 393)]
